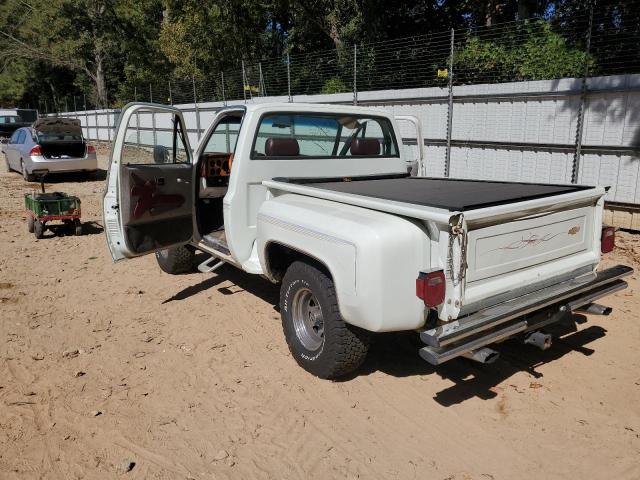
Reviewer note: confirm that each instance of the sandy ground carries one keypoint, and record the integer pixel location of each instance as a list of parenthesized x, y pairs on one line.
[(118, 370)]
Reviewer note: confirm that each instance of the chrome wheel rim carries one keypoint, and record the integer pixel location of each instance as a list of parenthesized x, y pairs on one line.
[(307, 319)]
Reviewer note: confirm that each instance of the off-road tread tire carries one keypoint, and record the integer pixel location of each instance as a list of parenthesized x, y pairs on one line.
[(30, 223), (180, 260), (345, 346), (77, 228)]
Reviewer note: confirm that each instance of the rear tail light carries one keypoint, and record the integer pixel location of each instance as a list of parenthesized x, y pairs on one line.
[(35, 151), (91, 149), (430, 288), (607, 239)]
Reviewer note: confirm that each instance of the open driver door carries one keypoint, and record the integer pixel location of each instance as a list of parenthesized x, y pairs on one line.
[(148, 204)]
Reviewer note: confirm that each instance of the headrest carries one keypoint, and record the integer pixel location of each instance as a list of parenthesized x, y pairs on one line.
[(281, 147), (365, 146)]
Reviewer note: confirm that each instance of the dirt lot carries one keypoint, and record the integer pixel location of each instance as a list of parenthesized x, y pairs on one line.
[(118, 370)]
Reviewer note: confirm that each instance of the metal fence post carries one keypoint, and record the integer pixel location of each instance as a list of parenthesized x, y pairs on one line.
[(355, 74), (95, 116), (447, 161), (263, 89), (289, 77), (153, 117), (195, 104), (86, 114), (135, 99), (244, 83), (575, 171), (224, 100)]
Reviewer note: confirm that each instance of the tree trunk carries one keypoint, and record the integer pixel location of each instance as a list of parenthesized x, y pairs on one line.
[(526, 9), (490, 12), (334, 31), (101, 87)]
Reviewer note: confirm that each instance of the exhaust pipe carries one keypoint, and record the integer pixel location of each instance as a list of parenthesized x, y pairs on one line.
[(482, 355), (539, 339), (596, 309)]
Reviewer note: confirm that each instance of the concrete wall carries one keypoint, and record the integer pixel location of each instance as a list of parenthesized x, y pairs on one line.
[(520, 131)]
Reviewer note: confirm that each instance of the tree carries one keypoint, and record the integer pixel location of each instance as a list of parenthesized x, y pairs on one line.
[(87, 38)]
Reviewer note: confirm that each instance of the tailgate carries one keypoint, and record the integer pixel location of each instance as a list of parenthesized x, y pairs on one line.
[(530, 246), (507, 247)]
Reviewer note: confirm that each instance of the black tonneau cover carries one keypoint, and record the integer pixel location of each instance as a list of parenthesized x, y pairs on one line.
[(448, 194)]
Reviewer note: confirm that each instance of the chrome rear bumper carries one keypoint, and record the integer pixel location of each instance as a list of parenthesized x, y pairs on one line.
[(517, 315)]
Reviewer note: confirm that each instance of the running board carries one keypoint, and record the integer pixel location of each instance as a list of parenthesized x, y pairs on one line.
[(209, 266)]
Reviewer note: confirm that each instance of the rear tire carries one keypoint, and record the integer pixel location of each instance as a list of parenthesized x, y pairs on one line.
[(319, 339), (38, 229), (26, 175), (30, 223), (77, 228), (176, 260)]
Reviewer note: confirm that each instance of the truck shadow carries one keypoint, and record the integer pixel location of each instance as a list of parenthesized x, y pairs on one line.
[(397, 355), (240, 281)]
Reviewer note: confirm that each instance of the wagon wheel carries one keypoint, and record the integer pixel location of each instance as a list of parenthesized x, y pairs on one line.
[(38, 229), (30, 222), (77, 227)]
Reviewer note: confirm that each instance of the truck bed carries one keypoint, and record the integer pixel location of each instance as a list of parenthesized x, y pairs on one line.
[(447, 194)]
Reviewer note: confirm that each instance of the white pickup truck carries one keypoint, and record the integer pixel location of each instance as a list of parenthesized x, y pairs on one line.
[(318, 198)]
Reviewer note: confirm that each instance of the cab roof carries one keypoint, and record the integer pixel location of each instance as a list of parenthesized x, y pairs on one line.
[(310, 107)]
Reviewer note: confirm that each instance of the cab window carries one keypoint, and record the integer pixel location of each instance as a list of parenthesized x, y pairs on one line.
[(286, 135)]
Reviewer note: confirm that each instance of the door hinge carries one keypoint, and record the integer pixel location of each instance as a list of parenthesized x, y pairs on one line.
[(115, 207)]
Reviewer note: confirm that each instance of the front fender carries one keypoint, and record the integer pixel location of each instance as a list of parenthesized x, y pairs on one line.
[(373, 257)]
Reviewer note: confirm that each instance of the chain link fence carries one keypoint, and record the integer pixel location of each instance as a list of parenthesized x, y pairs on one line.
[(587, 44)]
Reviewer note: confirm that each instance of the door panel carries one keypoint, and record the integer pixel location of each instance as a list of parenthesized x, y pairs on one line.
[(157, 210), (148, 204)]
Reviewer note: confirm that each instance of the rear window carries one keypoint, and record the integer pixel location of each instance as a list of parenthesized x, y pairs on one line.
[(299, 135)]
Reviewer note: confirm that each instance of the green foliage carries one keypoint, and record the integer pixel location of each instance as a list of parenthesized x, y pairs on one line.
[(110, 51), (533, 52), (334, 85)]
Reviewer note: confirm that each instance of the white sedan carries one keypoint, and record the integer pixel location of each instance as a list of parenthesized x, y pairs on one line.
[(51, 144)]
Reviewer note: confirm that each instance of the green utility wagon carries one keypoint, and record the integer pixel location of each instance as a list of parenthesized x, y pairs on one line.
[(46, 207)]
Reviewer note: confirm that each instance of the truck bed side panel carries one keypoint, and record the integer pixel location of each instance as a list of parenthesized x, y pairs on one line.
[(374, 257)]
